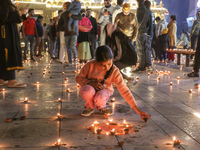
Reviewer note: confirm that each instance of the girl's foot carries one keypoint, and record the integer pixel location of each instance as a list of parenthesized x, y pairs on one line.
[(2, 82), (13, 83), (106, 110), (87, 111)]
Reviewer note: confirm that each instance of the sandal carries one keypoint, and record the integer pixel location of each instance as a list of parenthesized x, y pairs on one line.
[(16, 85)]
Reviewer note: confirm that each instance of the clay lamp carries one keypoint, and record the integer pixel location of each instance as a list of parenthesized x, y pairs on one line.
[(28, 76), (124, 122), (36, 62), (158, 78), (37, 82), (65, 82), (2, 89), (126, 131), (74, 71), (107, 133), (148, 74), (66, 78), (68, 90), (112, 99), (91, 127), (49, 72), (78, 85), (58, 144), (176, 142), (178, 77), (105, 116), (110, 121), (23, 117), (59, 116), (96, 123), (99, 131), (152, 72), (43, 72), (59, 99), (190, 91), (121, 143), (26, 100), (137, 78), (63, 72), (112, 132), (8, 120), (45, 69), (171, 83)]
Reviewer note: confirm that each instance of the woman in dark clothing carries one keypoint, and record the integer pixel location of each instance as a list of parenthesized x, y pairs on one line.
[(10, 50), (124, 52)]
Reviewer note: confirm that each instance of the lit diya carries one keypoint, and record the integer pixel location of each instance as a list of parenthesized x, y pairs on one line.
[(68, 90), (99, 131), (112, 99), (171, 83), (59, 116), (26, 100), (112, 132), (2, 89), (58, 144), (59, 99), (190, 91), (176, 142), (8, 120)]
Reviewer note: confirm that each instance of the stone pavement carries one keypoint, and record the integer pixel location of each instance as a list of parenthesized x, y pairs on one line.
[(174, 112)]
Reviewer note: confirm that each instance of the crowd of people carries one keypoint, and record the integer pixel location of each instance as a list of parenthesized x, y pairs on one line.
[(73, 35)]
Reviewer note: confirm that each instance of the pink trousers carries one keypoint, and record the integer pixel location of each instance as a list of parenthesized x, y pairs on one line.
[(92, 98)]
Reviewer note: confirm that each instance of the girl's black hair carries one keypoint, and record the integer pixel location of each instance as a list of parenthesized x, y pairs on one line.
[(173, 17), (104, 53)]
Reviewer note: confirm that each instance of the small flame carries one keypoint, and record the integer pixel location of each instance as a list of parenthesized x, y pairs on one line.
[(127, 126), (107, 123), (110, 120), (96, 122), (58, 140), (174, 138), (58, 114), (125, 122), (107, 133), (92, 125), (113, 130)]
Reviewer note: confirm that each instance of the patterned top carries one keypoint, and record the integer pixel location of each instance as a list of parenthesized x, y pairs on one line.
[(127, 24)]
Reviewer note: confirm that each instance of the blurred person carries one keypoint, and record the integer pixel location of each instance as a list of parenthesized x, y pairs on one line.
[(52, 38), (51, 21), (70, 36), (160, 26), (85, 26), (105, 17), (172, 31), (184, 39), (10, 49), (29, 31), (45, 37), (117, 10), (141, 41), (150, 34), (93, 32), (39, 41), (74, 8)]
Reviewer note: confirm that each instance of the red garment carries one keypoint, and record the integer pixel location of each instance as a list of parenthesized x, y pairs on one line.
[(29, 26), (171, 56), (85, 22)]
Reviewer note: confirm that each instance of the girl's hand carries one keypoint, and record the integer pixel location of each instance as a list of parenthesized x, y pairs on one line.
[(97, 85), (144, 116)]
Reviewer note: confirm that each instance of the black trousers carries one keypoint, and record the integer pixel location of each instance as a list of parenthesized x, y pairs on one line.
[(93, 45), (197, 57)]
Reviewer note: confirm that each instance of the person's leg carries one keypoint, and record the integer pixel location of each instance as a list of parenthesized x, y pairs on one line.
[(69, 24), (57, 47), (73, 46), (40, 46), (26, 46), (121, 66), (102, 38), (51, 48), (87, 94), (148, 52), (93, 45), (45, 46), (101, 98), (67, 43), (62, 46), (36, 45), (32, 41), (140, 52)]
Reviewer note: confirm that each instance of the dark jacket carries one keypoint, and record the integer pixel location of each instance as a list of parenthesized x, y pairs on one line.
[(94, 26), (52, 32), (39, 28), (64, 21), (10, 48), (150, 30), (142, 18), (163, 42), (122, 48)]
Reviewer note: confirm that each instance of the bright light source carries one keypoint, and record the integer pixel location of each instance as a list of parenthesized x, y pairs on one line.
[(197, 114)]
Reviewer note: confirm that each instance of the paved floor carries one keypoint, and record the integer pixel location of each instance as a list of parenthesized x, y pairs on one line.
[(172, 110)]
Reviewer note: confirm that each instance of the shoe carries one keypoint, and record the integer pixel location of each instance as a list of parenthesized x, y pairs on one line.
[(87, 111), (193, 74), (106, 110), (32, 59), (67, 64), (138, 70), (149, 68)]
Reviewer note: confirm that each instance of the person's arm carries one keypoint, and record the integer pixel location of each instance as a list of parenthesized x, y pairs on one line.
[(101, 16), (23, 32), (157, 30), (126, 93), (35, 29), (81, 78), (95, 28), (76, 17), (114, 16), (193, 27)]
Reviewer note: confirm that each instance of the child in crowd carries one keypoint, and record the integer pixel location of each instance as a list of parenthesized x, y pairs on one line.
[(163, 45), (96, 78), (74, 8)]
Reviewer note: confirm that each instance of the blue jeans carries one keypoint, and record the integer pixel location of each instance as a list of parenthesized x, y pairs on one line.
[(142, 51), (70, 42), (31, 39), (148, 53)]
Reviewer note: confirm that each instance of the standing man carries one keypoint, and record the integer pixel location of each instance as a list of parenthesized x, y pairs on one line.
[(150, 34), (141, 42), (70, 36), (127, 22), (93, 32), (105, 17), (39, 41), (29, 31), (45, 37), (117, 10)]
